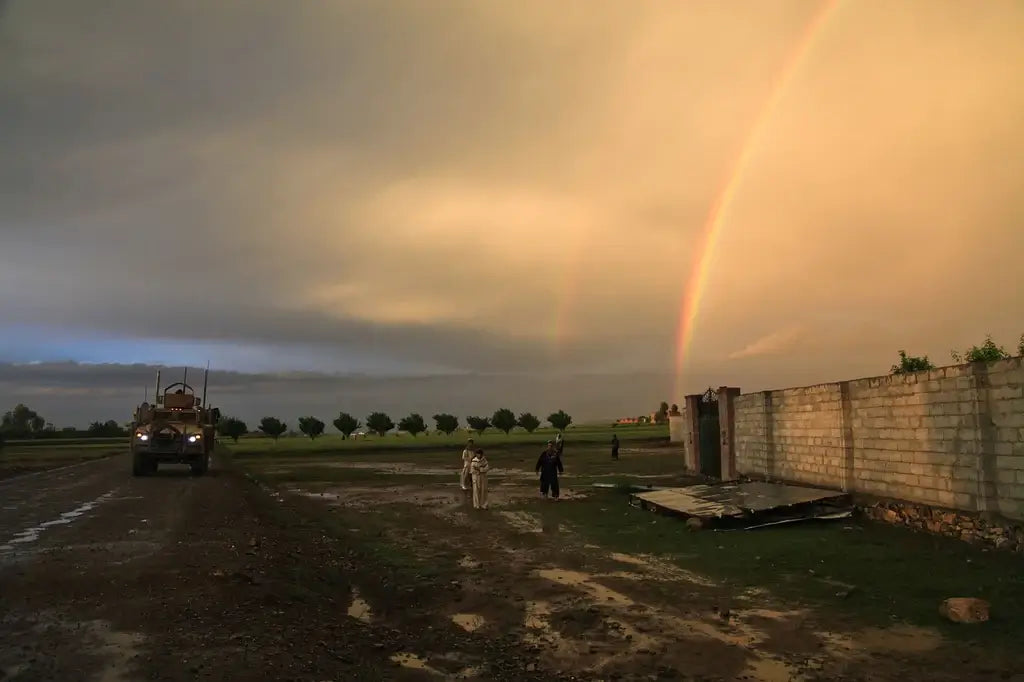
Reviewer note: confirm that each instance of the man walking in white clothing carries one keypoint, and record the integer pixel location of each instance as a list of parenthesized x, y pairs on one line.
[(467, 459)]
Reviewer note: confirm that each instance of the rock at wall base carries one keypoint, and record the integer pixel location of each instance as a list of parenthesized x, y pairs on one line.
[(964, 610)]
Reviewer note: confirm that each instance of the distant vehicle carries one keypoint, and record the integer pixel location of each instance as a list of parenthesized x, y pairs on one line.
[(179, 429)]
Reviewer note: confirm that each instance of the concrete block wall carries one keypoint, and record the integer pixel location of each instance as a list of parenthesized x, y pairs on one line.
[(950, 437)]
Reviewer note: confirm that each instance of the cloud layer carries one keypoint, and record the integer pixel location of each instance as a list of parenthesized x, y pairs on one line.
[(508, 187)]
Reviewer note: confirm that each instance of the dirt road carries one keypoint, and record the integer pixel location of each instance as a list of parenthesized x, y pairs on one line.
[(112, 578), (108, 577)]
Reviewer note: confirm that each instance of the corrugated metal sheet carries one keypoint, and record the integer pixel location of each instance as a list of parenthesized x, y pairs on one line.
[(734, 500)]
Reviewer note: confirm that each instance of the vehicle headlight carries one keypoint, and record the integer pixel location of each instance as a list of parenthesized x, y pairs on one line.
[(194, 437), (142, 436)]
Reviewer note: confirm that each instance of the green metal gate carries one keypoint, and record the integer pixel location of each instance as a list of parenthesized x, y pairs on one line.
[(710, 447)]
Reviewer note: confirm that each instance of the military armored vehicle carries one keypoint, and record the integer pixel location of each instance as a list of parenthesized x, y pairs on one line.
[(178, 428)]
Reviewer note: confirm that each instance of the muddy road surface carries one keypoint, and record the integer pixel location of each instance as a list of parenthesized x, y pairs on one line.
[(112, 578)]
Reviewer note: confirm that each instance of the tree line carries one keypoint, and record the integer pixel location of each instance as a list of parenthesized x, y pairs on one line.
[(22, 422), (381, 423)]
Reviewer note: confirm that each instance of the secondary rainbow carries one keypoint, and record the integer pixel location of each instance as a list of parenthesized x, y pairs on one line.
[(710, 234)]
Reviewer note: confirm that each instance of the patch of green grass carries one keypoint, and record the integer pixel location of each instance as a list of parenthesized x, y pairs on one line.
[(330, 475), (60, 443), (584, 464), (898, 574), (629, 435), (21, 460)]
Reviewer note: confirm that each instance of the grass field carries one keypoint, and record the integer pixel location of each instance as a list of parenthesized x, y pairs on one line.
[(852, 579), (18, 458), (590, 435)]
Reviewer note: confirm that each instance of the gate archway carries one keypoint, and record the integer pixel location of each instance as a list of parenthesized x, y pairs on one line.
[(709, 434)]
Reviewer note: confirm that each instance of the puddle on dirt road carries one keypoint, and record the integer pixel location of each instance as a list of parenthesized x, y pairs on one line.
[(359, 608), (115, 553), (31, 534), (470, 622), (637, 628), (659, 569), (769, 670), (526, 522), (443, 499), (584, 581), (413, 662)]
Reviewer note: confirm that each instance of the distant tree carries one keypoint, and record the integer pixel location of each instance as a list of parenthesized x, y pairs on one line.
[(674, 409), (504, 420), (346, 424), (662, 414), (272, 427), (379, 423), (107, 429), (1020, 345), (910, 363), (986, 352), (412, 424), (311, 426), (230, 427), (528, 422), (21, 422), (560, 420), (446, 423), (478, 424)]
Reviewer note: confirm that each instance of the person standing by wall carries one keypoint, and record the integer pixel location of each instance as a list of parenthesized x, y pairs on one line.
[(479, 468)]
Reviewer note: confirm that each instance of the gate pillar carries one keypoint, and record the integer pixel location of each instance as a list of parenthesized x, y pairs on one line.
[(727, 423), (691, 407)]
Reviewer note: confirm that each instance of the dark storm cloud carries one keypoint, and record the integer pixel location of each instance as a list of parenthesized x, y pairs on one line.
[(514, 186)]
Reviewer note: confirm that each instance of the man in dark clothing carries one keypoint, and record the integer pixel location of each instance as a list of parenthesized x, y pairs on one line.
[(615, 446), (549, 464)]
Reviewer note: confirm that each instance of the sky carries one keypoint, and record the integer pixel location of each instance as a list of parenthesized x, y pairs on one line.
[(477, 199)]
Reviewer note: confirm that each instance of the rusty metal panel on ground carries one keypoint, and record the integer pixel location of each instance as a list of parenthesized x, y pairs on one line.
[(742, 500)]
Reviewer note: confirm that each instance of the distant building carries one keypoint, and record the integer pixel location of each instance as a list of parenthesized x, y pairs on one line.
[(635, 420)]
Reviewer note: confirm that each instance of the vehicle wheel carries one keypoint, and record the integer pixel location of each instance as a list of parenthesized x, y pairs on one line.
[(200, 466)]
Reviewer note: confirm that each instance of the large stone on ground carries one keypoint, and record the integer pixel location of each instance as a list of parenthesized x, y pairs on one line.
[(964, 610)]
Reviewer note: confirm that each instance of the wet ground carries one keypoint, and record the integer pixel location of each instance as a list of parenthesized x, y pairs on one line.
[(109, 577)]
